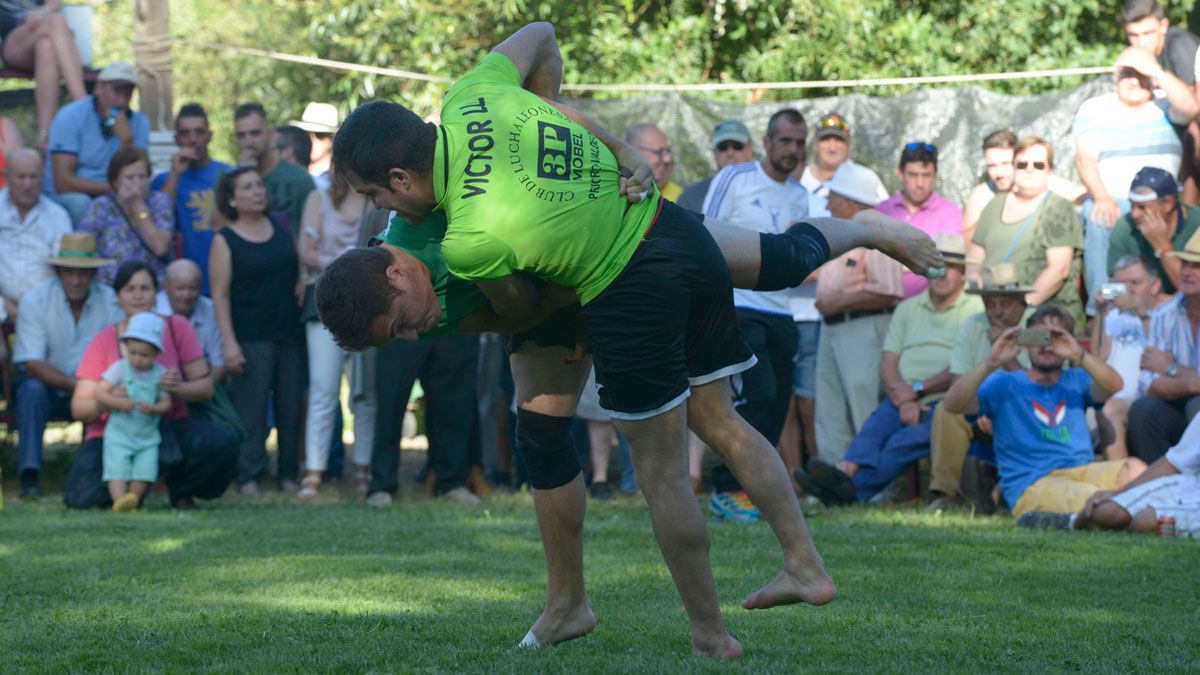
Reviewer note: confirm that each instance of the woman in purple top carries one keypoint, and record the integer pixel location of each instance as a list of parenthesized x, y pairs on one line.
[(131, 223)]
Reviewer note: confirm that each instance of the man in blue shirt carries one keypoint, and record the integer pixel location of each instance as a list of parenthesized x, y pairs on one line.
[(86, 134), (191, 183), (1043, 448)]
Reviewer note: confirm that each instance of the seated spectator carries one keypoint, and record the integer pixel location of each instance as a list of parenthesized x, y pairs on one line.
[(1156, 224), (856, 294), (55, 324), (38, 39), (1116, 135), (730, 145), (951, 435), (320, 120), (332, 223), (1035, 230), (10, 141), (31, 227), (131, 223), (832, 150), (1157, 420), (1121, 337), (181, 295), (1170, 487), (207, 448), (87, 133), (190, 184), (998, 149), (915, 371), (254, 271), (1043, 448), (656, 150), (918, 204), (287, 184)]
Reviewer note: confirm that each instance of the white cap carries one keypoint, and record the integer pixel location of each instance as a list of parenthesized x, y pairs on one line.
[(858, 183), (118, 72), (147, 327)]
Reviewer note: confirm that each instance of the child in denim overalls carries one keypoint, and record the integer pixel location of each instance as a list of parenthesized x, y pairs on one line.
[(131, 436)]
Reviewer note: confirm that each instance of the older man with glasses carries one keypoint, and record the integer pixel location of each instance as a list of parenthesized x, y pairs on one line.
[(656, 150)]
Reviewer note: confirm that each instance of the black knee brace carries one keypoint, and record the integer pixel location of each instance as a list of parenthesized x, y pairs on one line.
[(788, 258), (548, 449)]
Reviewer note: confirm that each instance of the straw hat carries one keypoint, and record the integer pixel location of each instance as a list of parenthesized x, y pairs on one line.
[(1001, 279), (953, 247), (319, 118), (1190, 252), (78, 249)]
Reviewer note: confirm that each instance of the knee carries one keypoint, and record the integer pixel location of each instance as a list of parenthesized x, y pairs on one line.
[(43, 47), (549, 451)]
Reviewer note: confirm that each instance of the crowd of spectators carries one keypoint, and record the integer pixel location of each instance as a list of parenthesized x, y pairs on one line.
[(1051, 372)]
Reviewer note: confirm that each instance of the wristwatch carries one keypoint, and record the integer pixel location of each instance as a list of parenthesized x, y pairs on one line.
[(918, 387), (1172, 370)]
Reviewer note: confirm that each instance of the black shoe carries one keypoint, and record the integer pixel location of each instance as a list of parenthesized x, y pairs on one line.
[(602, 491), (833, 480), (31, 493), (815, 489), (978, 482), (184, 504), (1044, 520)]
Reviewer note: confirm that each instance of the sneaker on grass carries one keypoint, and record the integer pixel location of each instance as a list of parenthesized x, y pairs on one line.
[(735, 506), (380, 499)]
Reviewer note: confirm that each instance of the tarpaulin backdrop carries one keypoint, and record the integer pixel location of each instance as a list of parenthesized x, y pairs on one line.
[(955, 120)]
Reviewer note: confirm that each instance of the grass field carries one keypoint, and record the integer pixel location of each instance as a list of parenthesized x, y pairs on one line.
[(281, 587)]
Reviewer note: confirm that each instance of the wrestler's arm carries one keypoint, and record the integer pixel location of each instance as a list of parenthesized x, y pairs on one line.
[(485, 319), (534, 51)]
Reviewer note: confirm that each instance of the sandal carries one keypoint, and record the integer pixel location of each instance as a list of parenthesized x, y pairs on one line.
[(308, 487), (362, 477)]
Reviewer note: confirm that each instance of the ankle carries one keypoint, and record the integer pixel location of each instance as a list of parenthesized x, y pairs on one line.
[(29, 478)]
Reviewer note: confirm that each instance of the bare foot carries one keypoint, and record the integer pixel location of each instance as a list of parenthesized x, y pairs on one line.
[(555, 626), (906, 244), (723, 646), (787, 589)]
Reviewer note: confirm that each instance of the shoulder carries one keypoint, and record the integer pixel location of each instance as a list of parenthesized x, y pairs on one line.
[(75, 111), (494, 67), (1096, 106), (731, 173)]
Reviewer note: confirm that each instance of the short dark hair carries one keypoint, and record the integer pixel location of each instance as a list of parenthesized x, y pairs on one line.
[(1004, 138), (789, 115), (919, 151), (248, 109), (127, 155), (225, 190), (1055, 312), (300, 142), (1136, 10), (379, 136), (126, 271), (191, 110), (352, 292)]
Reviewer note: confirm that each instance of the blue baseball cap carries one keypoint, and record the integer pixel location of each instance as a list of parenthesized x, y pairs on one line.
[(1152, 183)]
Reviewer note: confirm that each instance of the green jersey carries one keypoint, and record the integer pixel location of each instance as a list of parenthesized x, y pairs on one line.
[(458, 298), (526, 189)]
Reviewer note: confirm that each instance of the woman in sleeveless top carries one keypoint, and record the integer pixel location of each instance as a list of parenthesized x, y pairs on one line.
[(254, 275), (332, 220)]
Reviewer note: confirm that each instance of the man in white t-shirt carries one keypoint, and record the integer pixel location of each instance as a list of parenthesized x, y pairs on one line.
[(763, 196), (1121, 338)]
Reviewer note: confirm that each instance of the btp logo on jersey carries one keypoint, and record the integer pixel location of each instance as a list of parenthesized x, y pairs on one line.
[(554, 152)]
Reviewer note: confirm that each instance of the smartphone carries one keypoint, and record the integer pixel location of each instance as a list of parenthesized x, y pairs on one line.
[(1112, 291), (1033, 338)]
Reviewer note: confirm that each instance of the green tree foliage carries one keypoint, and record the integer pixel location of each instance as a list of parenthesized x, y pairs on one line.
[(621, 41)]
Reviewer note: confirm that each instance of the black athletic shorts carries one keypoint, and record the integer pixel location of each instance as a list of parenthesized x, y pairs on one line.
[(667, 322), (564, 329)]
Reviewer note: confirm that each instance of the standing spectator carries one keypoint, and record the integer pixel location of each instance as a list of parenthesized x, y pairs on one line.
[(916, 371), (31, 227), (856, 294), (332, 220), (832, 141), (656, 150), (1121, 337), (87, 133), (56, 322), (131, 223), (254, 270), (918, 204), (763, 196), (1168, 57), (181, 295), (287, 184), (38, 39), (1157, 223), (1157, 420), (730, 145), (1035, 230), (293, 145), (320, 120), (1116, 135), (1043, 448), (190, 184), (951, 435), (207, 450)]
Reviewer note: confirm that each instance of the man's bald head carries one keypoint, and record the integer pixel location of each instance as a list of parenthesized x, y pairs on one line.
[(23, 176), (655, 149), (183, 286)]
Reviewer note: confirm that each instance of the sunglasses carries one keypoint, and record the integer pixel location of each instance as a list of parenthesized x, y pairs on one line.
[(725, 146), (921, 145), (833, 121), (1037, 166)]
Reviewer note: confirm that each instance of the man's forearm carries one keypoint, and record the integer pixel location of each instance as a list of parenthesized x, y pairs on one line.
[(1186, 383), (1047, 284), (1089, 174), (50, 376), (961, 398), (1104, 375), (858, 300), (939, 382), (1179, 95)]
